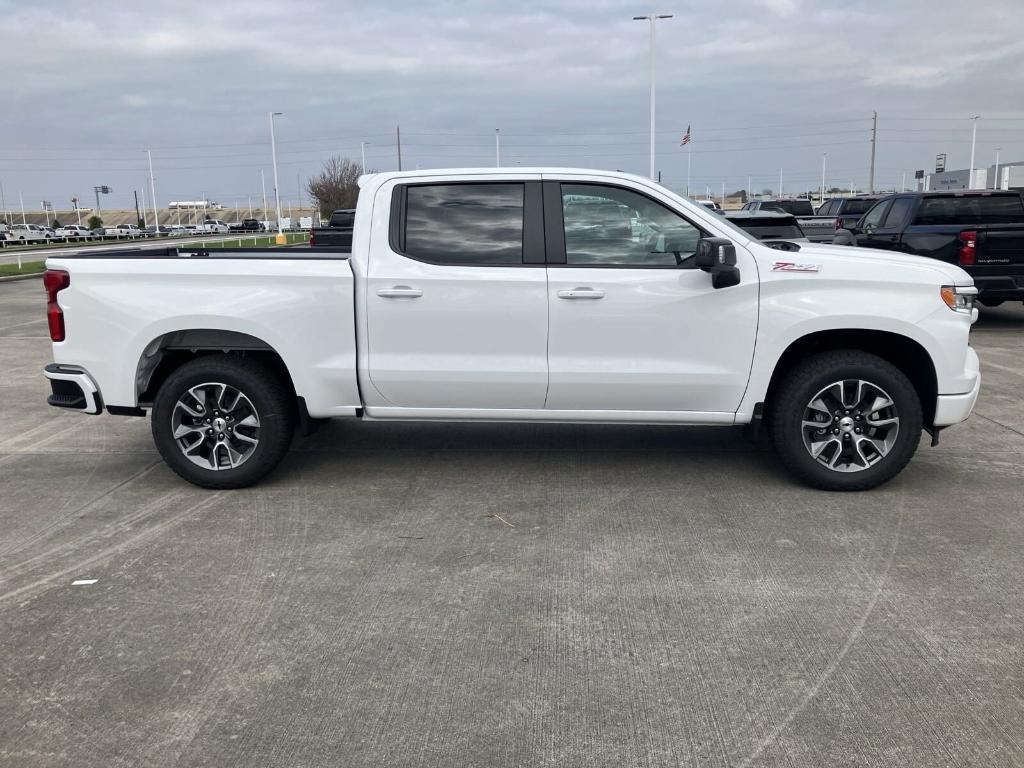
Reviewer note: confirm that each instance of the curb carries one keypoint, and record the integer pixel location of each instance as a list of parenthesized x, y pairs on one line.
[(16, 278)]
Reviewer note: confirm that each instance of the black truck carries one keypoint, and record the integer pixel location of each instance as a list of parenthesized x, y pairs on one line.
[(337, 233), (979, 230)]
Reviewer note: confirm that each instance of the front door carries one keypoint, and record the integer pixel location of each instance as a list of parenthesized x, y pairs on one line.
[(634, 326), (456, 299)]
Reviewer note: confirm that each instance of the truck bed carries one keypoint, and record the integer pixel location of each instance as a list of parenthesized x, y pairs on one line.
[(122, 308)]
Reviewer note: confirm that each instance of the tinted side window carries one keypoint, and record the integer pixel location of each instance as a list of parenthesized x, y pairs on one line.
[(875, 215), (608, 226), (899, 212), (971, 209), (465, 223)]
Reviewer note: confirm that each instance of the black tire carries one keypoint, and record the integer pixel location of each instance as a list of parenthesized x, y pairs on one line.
[(801, 384), (270, 396)]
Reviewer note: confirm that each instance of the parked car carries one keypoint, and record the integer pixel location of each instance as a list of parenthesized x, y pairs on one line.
[(214, 226), (159, 231), (818, 229), (337, 233), (5, 235), (248, 225), (479, 299), (74, 232), (846, 211), (775, 229), (711, 204), (981, 231), (29, 233), (123, 230)]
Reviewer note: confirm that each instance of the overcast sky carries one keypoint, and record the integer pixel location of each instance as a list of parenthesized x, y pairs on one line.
[(764, 83)]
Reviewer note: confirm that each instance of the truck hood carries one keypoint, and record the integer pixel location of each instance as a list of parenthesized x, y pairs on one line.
[(873, 259)]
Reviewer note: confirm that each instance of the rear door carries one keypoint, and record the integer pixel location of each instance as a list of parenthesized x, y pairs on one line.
[(634, 326), (870, 224), (456, 299), (887, 234)]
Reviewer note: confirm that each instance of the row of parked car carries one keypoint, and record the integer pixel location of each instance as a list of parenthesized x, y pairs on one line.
[(981, 231), (25, 234)]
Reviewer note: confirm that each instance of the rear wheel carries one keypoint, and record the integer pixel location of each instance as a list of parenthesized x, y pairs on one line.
[(846, 421), (223, 421)]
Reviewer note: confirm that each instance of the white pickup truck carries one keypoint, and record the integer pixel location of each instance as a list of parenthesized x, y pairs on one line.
[(540, 295)]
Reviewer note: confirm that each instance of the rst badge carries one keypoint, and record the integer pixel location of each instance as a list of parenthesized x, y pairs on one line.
[(792, 266)]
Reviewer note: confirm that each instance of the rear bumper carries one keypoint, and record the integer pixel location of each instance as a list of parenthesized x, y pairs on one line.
[(952, 409), (73, 388), (1008, 288)]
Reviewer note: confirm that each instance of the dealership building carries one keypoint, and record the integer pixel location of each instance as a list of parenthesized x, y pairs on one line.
[(1010, 176)]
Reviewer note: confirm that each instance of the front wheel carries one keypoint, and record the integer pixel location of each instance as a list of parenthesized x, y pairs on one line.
[(846, 421), (223, 421)]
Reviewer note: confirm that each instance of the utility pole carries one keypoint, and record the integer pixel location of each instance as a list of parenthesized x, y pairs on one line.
[(3, 203), (903, 184), (874, 141), (652, 18), (974, 138), (497, 147), (398, 143), (362, 153), (22, 201), (750, 192), (995, 181), (138, 215), (152, 192), (780, 182)]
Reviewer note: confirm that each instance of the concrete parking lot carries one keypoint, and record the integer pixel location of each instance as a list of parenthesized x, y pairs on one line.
[(489, 595)]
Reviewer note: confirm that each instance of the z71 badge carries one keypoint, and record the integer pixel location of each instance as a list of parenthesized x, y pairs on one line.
[(792, 266)]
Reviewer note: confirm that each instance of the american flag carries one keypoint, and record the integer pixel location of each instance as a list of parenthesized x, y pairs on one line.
[(686, 137)]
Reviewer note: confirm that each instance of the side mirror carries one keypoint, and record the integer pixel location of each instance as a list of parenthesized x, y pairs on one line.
[(718, 256)]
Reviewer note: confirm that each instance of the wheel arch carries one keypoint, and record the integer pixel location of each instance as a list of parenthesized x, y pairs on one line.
[(906, 354), (169, 351)]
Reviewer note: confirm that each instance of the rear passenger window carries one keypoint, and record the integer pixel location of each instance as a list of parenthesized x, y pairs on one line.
[(472, 224), (898, 213), (971, 209), (873, 218)]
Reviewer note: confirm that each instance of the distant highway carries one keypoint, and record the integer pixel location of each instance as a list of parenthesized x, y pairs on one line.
[(10, 255)]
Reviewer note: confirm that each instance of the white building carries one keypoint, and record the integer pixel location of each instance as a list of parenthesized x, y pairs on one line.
[(1011, 176)]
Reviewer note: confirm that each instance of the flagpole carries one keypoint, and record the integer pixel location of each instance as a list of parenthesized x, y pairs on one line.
[(689, 151)]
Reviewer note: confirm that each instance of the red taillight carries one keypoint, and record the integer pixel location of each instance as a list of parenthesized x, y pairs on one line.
[(54, 281), (839, 223), (312, 239), (968, 248)]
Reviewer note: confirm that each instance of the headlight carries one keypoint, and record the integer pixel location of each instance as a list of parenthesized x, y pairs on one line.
[(959, 298)]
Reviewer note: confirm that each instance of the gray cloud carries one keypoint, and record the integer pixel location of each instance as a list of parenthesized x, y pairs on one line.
[(764, 84)]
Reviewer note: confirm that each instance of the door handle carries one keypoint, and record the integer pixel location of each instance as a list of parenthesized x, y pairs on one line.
[(581, 293), (400, 292)]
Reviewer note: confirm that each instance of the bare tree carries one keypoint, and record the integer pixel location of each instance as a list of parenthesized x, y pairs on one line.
[(336, 185)]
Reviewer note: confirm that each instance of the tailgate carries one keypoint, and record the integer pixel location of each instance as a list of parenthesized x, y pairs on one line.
[(1001, 245), (818, 228)]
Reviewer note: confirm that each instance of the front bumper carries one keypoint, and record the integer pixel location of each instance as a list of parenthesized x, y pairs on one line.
[(952, 409), (73, 388)]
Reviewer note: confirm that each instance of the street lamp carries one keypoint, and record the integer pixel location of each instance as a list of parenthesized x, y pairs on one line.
[(823, 156), (277, 192), (995, 181), (652, 18), (497, 147), (152, 193), (974, 138)]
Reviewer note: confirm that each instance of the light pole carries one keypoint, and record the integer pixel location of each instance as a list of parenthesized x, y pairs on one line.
[(277, 192), (780, 182), (497, 147), (995, 181), (263, 186), (652, 18), (974, 138), (362, 153), (824, 155), (152, 192)]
